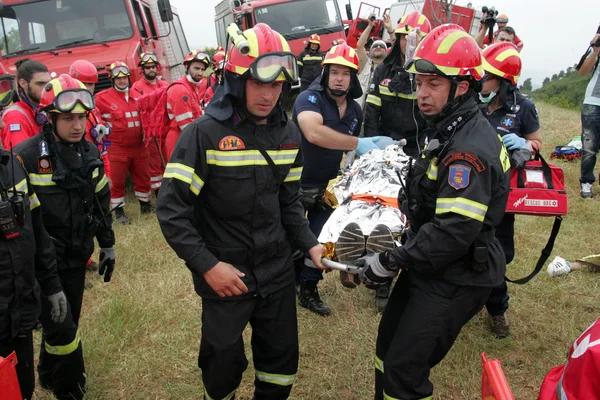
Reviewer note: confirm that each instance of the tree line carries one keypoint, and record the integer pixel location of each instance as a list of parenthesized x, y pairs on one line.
[(565, 89)]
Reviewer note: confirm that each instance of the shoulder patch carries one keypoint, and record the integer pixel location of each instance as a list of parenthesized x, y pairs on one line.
[(385, 82), (44, 165), (508, 122), (231, 143), (15, 127), (185, 98), (464, 156), (312, 98), (44, 149), (459, 176)]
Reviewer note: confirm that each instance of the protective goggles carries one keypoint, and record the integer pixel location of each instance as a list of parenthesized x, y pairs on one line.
[(423, 66), (117, 71), (67, 101), (202, 57), (7, 91), (146, 58), (268, 67)]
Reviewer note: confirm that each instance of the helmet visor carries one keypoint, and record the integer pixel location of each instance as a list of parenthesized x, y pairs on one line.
[(67, 101), (7, 90), (275, 67), (422, 66), (121, 70), (202, 57), (146, 58)]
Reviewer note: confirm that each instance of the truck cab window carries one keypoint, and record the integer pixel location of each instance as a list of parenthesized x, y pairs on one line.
[(139, 20), (151, 25)]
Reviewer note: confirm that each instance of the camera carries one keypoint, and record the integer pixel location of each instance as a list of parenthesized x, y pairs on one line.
[(490, 11)]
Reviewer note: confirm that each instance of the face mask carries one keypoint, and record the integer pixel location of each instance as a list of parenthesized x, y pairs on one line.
[(487, 99)]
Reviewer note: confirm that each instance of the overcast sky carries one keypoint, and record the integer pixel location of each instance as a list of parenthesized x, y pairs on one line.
[(555, 34)]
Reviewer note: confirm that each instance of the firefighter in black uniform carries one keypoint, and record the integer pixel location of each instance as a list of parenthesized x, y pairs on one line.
[(516, 120), (27, 263), (309, 62), (456, 196), (67, 173), (230, 206), (391, 107)]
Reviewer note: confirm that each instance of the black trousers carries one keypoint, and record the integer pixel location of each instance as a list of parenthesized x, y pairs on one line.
[(422, 320), (61, 366), (22, 345), (497, 303), (274, 345)]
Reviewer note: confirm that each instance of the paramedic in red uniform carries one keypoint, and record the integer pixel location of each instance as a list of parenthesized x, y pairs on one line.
[(127, 152), (183, 101)]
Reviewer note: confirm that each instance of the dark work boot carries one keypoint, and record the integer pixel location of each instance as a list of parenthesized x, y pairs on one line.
[(309, 298), (382, 295), (499, 326), (146, 207), (120, 216)]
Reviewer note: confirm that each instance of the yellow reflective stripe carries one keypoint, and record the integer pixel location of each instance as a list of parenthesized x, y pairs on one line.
[(95, 173), (100, 185), (450, 40), (20, 187), (384, 90), (228, 397), (276, 379), (41, 180), (379, 364), (293, 175), (376, 101), (504, 159), (65, 349), (432, 171), (249, 157), (300, 63), (462, 206), (185, 174), (312, 58), (34, 201)]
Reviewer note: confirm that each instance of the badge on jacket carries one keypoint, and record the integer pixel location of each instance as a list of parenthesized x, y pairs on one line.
[(15, 127), (459, 176), (44, 165), (231, 143)]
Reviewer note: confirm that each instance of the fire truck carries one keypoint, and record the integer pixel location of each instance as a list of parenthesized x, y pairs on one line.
[(58, 32), (296, 20)]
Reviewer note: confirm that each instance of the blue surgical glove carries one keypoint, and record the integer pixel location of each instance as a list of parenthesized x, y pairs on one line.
[(383, 141), (513, 142), (366, 144)]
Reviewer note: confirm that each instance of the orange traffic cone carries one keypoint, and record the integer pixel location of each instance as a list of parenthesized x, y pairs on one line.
[(493, 382), (8, 378)]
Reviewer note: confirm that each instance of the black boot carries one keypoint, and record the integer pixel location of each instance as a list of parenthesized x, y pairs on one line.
[(146, 207), (120, 216), (382, 295), (309, 298)]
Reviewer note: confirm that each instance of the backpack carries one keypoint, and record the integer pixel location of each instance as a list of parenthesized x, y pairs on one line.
[(154, 114)]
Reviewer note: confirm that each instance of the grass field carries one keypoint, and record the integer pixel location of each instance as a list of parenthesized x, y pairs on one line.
[(141, 331)]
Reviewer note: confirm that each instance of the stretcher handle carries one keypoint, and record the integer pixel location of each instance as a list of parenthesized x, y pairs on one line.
[(349, 268)]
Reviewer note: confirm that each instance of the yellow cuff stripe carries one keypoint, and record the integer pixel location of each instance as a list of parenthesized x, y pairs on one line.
[(34, 202), (462, 206), (432, 171), (379, 364), (228, 397), (376, 101), (276, 379), (100, 185), (294, 175), (65, 349)]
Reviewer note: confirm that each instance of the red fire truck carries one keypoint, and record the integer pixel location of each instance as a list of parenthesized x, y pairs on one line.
[(58, 32), (296, 20)]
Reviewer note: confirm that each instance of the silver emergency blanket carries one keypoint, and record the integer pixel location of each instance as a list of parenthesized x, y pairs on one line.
[(376, 174)]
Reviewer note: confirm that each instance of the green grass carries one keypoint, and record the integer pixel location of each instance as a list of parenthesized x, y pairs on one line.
[(141, 331)]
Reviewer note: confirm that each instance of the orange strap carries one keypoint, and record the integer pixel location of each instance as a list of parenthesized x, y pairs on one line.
[(374, 198)]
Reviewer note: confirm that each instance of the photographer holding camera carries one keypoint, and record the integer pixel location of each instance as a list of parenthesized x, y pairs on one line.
[(590, 117), (487, 36)]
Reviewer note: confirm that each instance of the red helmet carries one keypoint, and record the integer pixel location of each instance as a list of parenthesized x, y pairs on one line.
[(342, 54), (119, 69), (7, 87), (338, 41), (268, 58), (448, 51), (147, 58), (314, 38), (412, 21), (83, 71), (66, 95), (218, 58), (219, 49), (196, 55), (503, 59)]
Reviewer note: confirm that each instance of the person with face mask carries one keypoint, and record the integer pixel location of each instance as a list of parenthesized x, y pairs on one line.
[(391, 108), (309, 61), (516, 120), (127, 152), (22, 119), (183, 101), (68, 175)]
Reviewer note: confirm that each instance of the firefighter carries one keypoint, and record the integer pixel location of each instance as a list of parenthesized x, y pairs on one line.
[(127, 152), (20, 293), (330, 120), (309, 62), (22, 119), (391, 107), (218, 65), (66, 171), (456, 195), (183, 101), (516, 120), (148, 84), (230, 206), (7, 89)]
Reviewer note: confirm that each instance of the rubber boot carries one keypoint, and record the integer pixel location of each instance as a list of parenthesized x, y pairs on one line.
[(309, 298), (120, 216), (146, 207)]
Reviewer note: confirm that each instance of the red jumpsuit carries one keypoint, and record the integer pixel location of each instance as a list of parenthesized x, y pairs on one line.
[(183, 106), (127, 152), (20, 124), (94, 118), (156, 145)]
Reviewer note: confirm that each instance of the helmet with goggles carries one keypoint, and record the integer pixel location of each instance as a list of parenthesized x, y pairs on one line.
[(504, 60), (413, 21), (119, 69), (196, 55), (66, 95), (7, 87), (84, 71), (146, 58)]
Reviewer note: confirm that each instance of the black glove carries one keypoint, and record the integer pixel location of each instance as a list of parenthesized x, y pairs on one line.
[(376, 269), (107, 263), (311, 197)]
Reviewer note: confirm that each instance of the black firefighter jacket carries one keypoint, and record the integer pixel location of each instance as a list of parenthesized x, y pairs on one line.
[(27, 261), (457, 196), (221, 201), (70, 183), (309, 64)]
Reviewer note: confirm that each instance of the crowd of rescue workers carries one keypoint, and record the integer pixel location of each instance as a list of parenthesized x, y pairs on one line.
[(240, 190)]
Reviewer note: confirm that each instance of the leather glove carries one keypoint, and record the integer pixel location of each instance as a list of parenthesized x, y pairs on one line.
[(513, 142), (366, 144), (107, 263), (374, 270), (59, 307)]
